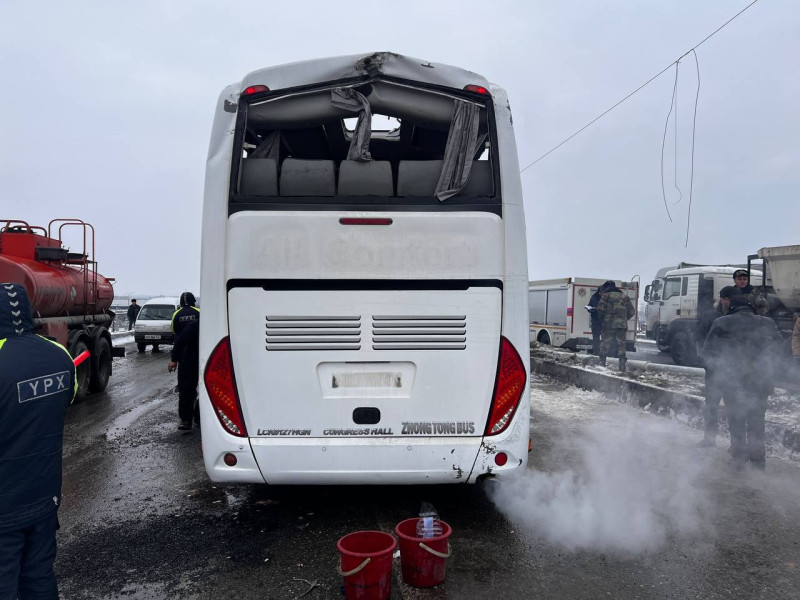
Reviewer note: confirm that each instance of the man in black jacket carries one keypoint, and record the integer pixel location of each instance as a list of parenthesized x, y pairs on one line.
[(713, 387), (741, 278), (741, 348), (186, 358), (37, 383), (133, 312), (597, 322), (186, 313)]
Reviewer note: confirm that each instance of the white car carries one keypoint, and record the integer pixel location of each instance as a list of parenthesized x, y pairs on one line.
[(153, 325)]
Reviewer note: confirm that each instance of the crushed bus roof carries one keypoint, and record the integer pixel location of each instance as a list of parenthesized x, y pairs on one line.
[(338, 68)]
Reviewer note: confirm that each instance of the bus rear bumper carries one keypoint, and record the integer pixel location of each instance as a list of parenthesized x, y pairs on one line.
[(365, 461), (373, 461)]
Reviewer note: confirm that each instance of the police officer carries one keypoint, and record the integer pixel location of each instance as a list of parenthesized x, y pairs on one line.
[(615, 309), (741, 348), (742, 279), (37, 383), (713, 387), (186, 358), (187, 312)]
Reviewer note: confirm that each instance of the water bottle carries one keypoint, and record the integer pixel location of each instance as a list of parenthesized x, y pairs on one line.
[(428, 525)]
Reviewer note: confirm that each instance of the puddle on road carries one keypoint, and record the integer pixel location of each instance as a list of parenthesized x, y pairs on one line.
[(120, 425)]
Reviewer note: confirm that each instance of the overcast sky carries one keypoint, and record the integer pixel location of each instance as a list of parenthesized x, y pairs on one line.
[(107, 109)]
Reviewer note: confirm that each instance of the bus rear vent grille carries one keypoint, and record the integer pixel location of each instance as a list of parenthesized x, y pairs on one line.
[(425, 332), (313, 333)]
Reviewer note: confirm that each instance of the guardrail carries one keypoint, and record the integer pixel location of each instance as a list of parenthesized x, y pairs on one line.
[(120, 334), (780, 431), (647, 396)]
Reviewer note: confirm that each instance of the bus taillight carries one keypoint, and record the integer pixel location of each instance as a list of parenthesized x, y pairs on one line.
[(508, 388), (478, 89), (221, 387), (254, 89)]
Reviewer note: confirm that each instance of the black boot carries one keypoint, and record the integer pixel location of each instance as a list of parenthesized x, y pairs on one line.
[(602, 360), (622, 361)]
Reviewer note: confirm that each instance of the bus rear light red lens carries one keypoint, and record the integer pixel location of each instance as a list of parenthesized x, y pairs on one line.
[(478, 89), (364, 221), (230, 459), (500, 459), (221, 387), (254, 89), (569, 312), (508, 389)]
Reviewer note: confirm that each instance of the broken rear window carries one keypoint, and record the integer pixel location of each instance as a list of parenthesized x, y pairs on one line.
[(381, 145)]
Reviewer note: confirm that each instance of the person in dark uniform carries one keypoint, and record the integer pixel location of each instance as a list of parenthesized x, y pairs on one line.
[(597, 322), (741, 347), (186, 313), (37, 383), (713, 387), (186, 358), (133, 312)]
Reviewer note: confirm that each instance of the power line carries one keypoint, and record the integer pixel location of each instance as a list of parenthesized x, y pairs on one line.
[(675, 143), (694, 128), (664, 140), (637, 90)]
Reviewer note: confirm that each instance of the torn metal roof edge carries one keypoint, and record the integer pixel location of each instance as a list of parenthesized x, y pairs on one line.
[(337, 68)]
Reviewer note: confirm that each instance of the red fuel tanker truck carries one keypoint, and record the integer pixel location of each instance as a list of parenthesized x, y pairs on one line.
[(69, 298)]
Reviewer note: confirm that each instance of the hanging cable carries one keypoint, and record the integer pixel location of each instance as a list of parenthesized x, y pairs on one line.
[(637, 90), (694, 128), (664, 141), (675, 141)]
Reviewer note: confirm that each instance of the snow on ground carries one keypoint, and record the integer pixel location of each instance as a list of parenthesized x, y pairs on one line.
[(783, 407), (122, 338), (605, 477)]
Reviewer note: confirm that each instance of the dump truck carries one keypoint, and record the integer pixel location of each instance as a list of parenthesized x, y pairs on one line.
[(70, 300), (781, 283)]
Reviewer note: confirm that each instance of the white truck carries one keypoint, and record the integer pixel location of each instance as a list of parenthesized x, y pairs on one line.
[(675, 300), (677, 297), (558, 314)]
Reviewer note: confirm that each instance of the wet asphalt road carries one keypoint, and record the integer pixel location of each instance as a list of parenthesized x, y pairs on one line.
[(648, 352), (140, 519)]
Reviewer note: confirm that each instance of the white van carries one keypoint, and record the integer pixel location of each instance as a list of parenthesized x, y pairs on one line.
[(153, 326)]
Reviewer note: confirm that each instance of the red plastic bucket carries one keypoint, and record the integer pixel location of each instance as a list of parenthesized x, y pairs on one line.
[(423, 560), (366, 564)]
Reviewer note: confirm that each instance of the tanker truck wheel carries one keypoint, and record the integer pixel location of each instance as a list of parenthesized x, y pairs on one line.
[(82, 371), (101, 366)]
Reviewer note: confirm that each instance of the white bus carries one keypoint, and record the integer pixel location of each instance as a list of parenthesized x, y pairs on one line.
[(364, 285)]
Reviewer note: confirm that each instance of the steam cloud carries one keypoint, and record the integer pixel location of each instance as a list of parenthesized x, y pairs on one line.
[(628, 491)]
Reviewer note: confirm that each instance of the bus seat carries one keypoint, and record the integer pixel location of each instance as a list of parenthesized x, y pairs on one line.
[(372, 178), (480, 180), (259, 177), (308, 177), (418, 177)]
